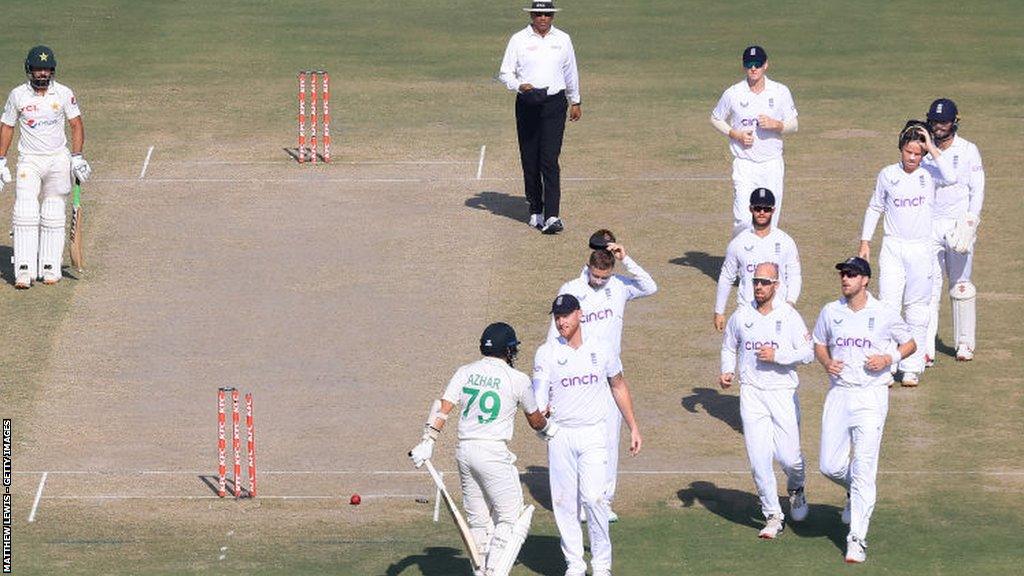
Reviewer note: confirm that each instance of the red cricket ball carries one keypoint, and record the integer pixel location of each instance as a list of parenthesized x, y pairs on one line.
[(355, 500)]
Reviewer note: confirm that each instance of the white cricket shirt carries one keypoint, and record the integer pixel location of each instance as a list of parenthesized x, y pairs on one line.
[(966, 191), (854, 336), (740, 108), (486, 394), (783, 330), (742, 256), (547, 61), (603, 308), (574, 382), (905, 199), (41, 117)]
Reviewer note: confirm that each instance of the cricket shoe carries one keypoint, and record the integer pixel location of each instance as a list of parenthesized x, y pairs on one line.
[(50, 279), (910, 380), (553, 225), (928, 361), (964, 353), (798, 507), (602, 572), (772, 528), (856, 550), (846, 510), (23, 280), (536, 221), (612, 516)]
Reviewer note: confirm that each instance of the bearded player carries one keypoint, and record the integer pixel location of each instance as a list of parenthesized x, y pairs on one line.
[(488, 391), (41, 105)]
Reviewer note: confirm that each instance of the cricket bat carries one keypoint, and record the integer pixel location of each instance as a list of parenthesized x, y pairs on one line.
[(460, 522), (75, 236)]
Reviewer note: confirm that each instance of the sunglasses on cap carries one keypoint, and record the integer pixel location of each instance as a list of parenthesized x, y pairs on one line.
[(764, 281), (763, 208), (753, 64)]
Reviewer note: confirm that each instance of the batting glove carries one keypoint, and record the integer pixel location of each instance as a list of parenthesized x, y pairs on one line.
[(5, 173), (80, 167), (422, 452), (548, 431)]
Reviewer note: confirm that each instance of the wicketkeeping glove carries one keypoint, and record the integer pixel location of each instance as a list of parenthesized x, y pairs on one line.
[(80, 167)]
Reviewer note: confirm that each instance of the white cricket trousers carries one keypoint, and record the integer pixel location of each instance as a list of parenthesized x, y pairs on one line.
[(491, 492), (613, 430), (854, 416), (957, 268), (771, 430), (748, 175), (577, 466), (38, 217), (905, 271)]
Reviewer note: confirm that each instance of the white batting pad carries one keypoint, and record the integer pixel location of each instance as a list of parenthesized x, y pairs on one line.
[(51, 235), (25, 223), (963, 297), (507, 541)]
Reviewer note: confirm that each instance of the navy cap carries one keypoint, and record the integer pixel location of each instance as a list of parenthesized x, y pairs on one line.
[(943, 110), (857, 265), (564, 304), (762, 197), (599, 240), (754, 55)]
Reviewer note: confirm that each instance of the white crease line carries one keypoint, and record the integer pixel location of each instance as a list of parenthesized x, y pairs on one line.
[(228, 499), (480, 165), (39, 495), (524, 472), (145, 163), (309, 180), (345, 162)]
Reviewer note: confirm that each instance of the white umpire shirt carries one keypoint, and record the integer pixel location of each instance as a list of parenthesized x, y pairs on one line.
[(745, 252), (42, 117), (603, 308), (783, 330), (574, 382), (854, 336), (740, 107), (487, 394), (965, 192), (547, 61)]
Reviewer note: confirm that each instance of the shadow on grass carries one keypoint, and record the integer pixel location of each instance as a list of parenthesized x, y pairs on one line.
[(724, 407), (710, 265), (736, 506), (434, 561), (501, 204), (940, 346), (6, 254), (536, 480), (543, 555), (823, 521)]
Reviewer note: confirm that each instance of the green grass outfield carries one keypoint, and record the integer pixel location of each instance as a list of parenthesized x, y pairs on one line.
[(412, 80)]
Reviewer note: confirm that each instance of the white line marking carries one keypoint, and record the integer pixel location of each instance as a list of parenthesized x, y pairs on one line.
[(348, 162), (480, 165), (524, 472), (313, 180), (215, 497), (145, 163), (39, 494)]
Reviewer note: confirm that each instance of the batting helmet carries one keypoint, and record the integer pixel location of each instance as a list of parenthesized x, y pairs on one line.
[(499, 340), (40, 57)]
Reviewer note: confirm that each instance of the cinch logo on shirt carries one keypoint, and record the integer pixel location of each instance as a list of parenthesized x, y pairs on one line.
[(599, 315), (580, 380), (908, 202), (854, 342), (748, 122), (755, 345)]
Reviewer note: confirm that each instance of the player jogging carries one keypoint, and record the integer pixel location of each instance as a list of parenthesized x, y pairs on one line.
[(488, 391), (769, 340), (40, 106), (856, 339)]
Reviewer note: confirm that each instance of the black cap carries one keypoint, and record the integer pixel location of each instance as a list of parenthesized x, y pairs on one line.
[(857, 265), (942, 110), (564, 304), (762, 197), (40, 57), (599, 240), (754, 55), (498, 337)]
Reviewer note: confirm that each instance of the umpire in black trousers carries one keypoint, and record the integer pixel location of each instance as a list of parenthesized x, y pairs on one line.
[(540, 66)]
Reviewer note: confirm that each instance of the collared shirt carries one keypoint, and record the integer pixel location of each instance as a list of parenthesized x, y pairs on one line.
[(41, 117), (740, 107), (965, 192), (854, 336), (905, 200), (742, 256), (604, 308), (486, 394), (547, 61), (575, 382), (781, 329)]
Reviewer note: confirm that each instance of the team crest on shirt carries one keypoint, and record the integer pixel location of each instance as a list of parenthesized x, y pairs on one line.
[(56, 107), (778, 326), (871, 323), (920, 180), (748, 248), (771, 102), (608, 292), (778, 248), (593, 358), (956, 161), (563, 361)]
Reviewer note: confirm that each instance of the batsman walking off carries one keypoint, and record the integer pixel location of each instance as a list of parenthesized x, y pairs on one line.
[(489, 390), (40, 106)]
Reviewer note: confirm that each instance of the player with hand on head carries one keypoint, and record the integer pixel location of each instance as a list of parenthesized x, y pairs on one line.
[(856, 339), (753, 114), (762, 242), (41, 105), (603, 295), (489, 390), (572, 377), (955, 219), (904, 194), (769, 340)]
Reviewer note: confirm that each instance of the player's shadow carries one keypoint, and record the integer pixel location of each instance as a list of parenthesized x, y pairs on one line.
[(724, 407), (6, 254), (536, 481), (543, 555), (940, 346), (710, 265), (500, 204), (823, 521), (434, 561), (736, 506)]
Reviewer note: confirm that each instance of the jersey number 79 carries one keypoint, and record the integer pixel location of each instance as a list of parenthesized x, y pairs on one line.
[(490, 404)]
